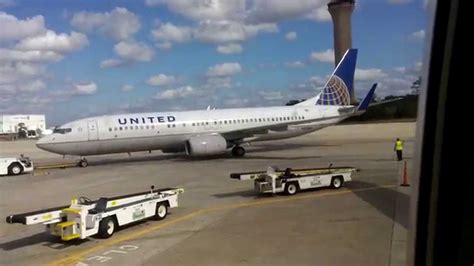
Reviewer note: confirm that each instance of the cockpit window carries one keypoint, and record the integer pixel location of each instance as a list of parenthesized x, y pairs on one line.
[(62, 130)]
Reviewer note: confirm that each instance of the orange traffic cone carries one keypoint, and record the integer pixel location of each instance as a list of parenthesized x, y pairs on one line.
[(405, 176)]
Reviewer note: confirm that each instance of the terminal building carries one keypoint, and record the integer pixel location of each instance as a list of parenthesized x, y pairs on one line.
[(13, 124)]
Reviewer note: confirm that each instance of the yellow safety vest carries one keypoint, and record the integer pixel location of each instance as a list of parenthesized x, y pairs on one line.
[(399, 145)]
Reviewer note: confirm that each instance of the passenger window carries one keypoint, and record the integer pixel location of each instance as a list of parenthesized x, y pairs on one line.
[(126, 128), (152, 126), (136, 127), (110, 129), (169, 125), (193, 124), (120, 128), (115, 129)]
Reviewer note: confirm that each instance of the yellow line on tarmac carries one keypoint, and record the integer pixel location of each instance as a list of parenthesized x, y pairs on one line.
[(75, 256)]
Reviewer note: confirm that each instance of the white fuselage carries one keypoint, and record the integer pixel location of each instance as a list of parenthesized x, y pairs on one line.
[(168, 131)]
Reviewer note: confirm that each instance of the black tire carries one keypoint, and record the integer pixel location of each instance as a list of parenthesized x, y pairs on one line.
[(107, 227), (291, 188), (83, 163), (337, 182), (238, 151), (161, 211), (15, 169)]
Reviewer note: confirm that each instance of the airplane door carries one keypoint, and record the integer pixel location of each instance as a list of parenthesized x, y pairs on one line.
[(93, 130)]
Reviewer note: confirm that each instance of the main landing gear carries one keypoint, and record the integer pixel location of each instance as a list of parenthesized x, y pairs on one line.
[(83, 162), (238, 151)]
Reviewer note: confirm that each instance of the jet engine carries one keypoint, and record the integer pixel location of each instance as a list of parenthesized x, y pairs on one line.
[(206, 145)]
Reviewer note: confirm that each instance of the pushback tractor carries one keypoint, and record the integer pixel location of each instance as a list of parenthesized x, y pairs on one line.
[(102, 217)]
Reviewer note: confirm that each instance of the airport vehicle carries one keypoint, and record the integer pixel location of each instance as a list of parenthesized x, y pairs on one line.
[(290, 181), (211, 131), (84, 217), (15, 166)]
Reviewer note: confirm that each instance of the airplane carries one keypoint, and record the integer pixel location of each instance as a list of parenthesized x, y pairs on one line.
[(210, 131)]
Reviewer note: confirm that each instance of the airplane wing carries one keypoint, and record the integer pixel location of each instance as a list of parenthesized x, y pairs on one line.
[(261, 130), (344, 112)]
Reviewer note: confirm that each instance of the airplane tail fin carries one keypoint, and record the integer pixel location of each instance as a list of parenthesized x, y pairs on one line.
[(339, 87), (364, 105)]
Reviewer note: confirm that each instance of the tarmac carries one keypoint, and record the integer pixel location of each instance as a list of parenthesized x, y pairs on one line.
[(221, 221)]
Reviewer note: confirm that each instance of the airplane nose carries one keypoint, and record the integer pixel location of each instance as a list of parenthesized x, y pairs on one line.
[(44, 143)]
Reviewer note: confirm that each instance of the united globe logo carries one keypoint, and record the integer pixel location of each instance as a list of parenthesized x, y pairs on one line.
[(335, 93)]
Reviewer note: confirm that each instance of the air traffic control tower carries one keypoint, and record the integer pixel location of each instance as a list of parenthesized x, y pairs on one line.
[(341, 11)]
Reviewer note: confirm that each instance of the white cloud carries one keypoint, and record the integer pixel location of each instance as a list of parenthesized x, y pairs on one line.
[(236, 102), (371, 74), (229, 31), (271, 95), (400, 69), (181, 92), (86, 88), (13, 29), (118, 24), (418, 35), (204, 9), (129, 51), (291, 36), (324, 56), (417, 67), (11, 72), (278, 10), (134, 51), (318, 81), (230, 48), (295, 64), (171, 33), (161, 80), (126, 88), (29, 85), (50, 41), (411, 69), (9, 55), (113, 62), (164, 45), (319, 14), (215, 83), (225, 69), (34, 85), (399, 2)]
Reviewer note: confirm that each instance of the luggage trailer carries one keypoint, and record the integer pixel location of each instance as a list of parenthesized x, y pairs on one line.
[(274, 179), (84, 217)]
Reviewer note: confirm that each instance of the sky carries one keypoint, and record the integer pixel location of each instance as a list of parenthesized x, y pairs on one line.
[(72, 59)]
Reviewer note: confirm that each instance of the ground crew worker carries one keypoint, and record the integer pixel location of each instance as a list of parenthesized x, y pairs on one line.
[(398, 148)]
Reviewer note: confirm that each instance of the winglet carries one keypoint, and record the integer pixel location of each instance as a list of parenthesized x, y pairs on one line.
[(365, 103)]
